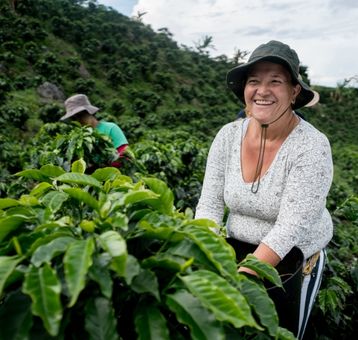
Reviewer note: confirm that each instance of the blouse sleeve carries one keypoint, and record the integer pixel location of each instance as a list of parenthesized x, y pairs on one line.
[(303, 206), (117, 136), (211, 202)]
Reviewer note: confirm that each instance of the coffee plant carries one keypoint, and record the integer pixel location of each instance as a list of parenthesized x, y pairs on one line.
[(103, 257)]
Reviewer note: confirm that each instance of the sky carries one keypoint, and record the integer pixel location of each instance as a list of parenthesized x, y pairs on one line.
[(324, 33)]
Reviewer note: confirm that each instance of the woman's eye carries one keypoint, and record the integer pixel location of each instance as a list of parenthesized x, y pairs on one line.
[(252, 81)]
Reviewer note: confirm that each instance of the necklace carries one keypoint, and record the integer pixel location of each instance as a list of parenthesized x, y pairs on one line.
[(257, 177)]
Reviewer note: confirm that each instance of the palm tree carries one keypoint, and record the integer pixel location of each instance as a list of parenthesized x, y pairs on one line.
[(204, 43)]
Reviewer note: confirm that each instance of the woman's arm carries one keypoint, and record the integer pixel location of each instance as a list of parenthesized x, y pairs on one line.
[(121, 149), (303, 204), (211, 202), (264, 254), (117, 136)]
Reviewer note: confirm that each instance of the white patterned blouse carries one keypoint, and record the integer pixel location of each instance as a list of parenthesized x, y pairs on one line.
[(289, 208)]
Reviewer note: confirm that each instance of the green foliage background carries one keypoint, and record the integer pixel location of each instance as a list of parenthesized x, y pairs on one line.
[(170, 101)]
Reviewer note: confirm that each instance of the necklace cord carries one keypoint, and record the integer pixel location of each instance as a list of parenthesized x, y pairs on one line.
[(257, 178), (256, 182)]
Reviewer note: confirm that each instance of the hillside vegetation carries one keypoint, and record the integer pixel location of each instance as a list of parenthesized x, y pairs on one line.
[(170, 100)]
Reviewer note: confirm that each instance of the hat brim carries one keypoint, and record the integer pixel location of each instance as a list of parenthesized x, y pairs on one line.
[(89, 108), (314, 100), (236, 80)]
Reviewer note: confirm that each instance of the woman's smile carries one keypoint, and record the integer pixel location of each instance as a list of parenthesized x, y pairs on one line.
[(263, 102)]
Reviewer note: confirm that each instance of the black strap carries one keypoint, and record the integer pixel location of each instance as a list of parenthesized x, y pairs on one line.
[(257, 178)]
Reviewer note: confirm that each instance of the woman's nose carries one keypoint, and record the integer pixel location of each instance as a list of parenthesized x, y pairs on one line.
[(263, 88)]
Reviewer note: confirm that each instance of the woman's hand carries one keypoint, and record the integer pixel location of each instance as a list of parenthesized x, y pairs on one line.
[(247, 270), (264, 254)]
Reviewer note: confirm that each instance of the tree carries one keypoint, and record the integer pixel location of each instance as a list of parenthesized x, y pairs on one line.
[(165, 31), (13, 4), (204, 43), (239, 56), (139, 16), (304, 74)]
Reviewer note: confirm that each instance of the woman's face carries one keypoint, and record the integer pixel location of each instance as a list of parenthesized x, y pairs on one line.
[(269, 91), (83, 118)]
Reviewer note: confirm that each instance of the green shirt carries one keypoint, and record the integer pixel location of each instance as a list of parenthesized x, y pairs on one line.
[(113, 131)]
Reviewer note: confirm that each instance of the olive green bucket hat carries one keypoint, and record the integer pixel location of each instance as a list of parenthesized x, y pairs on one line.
[(279, 53)]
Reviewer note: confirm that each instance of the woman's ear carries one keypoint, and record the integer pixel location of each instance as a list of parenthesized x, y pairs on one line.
[(296, 91)]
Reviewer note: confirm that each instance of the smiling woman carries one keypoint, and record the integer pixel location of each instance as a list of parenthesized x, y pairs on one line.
[(273, 171), (269, 94)]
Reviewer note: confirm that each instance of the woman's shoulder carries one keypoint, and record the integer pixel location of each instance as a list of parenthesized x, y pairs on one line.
[(310, 134), (105, 123), (231, 129)]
